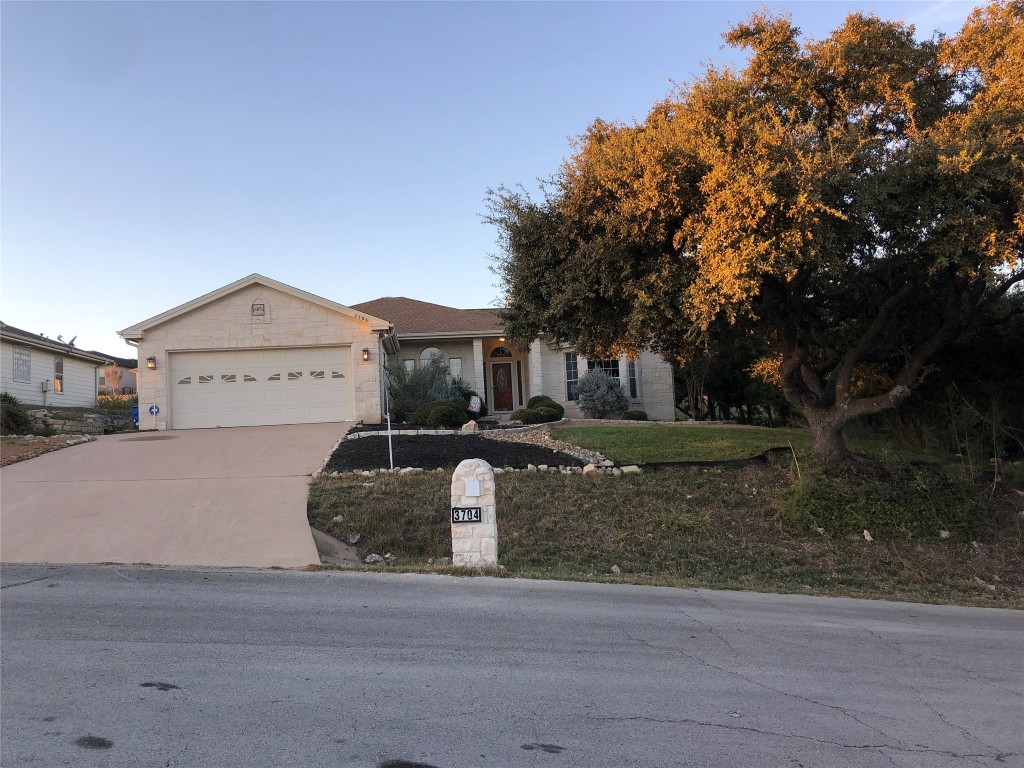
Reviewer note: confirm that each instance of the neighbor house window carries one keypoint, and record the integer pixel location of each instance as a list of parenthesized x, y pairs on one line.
[(610, 367), (455, 366), (572, 376), (58, 374), (22, 364), (633, 389)]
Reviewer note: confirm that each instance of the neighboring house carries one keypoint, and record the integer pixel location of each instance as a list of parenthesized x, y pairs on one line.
[(40, 371), (129, 376), (261, 352)]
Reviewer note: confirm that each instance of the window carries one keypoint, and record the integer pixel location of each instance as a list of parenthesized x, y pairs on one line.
[(206, 379), (337, 375), (410, 365), (22, 364), (294, 375), (186, 380), (103, 380), (571, 376), (274, 377), (610, 367), (631, 371), (316, 374), (500, 352), (455, 366), (247, 377), (519, 380), (58, 374), (228, 378), (428, 353)]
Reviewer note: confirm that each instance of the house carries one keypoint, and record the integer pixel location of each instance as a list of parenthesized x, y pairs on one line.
[(128, 383), (40, 371), (258, 351)]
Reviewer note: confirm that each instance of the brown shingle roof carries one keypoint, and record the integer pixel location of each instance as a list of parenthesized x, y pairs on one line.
[(412, 316)]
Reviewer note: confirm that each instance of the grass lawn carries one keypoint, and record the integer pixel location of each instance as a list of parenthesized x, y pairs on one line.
[(707, 527), (656, 443)]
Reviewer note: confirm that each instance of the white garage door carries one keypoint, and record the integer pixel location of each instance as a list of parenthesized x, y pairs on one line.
[(250, 387)]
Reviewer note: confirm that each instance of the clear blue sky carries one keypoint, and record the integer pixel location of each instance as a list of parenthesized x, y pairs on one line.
[(152, 152)]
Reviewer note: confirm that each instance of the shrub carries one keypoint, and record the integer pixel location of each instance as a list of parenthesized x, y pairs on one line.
[(116, 403), (600, 396), (889, 498), (635, 415), (541, 415), (538, 401), (447, 416), (14, 416), (430, 382)]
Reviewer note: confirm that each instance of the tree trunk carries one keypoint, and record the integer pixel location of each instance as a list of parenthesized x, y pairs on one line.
[(826, 437)]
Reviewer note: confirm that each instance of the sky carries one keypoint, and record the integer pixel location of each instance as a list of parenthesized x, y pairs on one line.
[(151, 152)]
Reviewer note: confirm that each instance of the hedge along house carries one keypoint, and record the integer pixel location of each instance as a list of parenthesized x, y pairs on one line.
[(473, 343), (259, 352)]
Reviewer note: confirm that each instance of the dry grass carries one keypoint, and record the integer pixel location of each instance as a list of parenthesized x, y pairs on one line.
[(718, 528)]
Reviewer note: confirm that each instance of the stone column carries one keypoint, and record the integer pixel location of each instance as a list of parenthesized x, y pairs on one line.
[(474, 544), (537, 373), (478, 367)]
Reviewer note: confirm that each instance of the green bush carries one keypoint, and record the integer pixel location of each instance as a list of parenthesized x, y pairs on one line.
[(538, 401), (887, 498), (14, 416), (429, 382), (541, 415), (448, 416), (601, 396), (635, 415)]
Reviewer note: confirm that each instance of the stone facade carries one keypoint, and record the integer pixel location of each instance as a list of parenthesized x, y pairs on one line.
[(475, 545), (228, 324)]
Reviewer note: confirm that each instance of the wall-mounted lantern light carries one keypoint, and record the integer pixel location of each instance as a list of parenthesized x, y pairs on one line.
[(366, 354), (151, 363), (501, 338)]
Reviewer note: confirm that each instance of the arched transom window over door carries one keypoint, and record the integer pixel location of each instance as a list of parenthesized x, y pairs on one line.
[(499, 352)]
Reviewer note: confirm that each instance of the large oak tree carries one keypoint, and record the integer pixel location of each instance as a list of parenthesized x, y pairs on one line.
[(856, 201)]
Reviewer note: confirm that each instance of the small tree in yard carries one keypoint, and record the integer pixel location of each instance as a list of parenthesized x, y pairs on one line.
[(113, 375), (599, 395)]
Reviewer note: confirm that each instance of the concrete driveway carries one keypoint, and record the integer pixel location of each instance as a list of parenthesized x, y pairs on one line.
[(229, 497)]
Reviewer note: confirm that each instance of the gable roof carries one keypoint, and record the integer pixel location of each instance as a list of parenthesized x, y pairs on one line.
[(136, 331), (38, 340), (421, 318)]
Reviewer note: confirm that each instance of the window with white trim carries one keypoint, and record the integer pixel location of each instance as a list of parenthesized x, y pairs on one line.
[(427, 354), (610, 368), (634, 389), (58, 374), (410, 365), (572, 376), (23, 364), (455, 366)]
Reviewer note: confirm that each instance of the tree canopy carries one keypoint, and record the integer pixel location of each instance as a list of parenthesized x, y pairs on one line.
[(854, 201)]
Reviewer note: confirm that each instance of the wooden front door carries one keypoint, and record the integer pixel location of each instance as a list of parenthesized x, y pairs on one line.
[(501, 386)]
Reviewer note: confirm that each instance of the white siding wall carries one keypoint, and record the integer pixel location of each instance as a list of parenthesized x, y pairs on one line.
[(228, 324), (79, 378)]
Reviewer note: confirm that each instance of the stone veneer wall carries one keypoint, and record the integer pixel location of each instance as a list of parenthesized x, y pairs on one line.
[(228, 324)]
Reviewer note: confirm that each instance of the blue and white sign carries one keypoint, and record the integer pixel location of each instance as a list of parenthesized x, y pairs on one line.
[(154, 409)]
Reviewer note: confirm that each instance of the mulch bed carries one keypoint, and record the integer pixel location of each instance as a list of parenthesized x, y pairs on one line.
[(434, 451), (483, 426)]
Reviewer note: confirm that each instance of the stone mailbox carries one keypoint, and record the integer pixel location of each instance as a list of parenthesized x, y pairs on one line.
[(474, 525)]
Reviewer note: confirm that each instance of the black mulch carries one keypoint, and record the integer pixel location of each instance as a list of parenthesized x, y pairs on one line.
[(481, 425), (433, 451)]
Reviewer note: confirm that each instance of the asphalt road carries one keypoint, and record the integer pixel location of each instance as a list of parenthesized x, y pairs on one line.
[(116, 666)]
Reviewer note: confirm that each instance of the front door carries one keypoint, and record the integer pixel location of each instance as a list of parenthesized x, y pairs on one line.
[(501, 386)]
